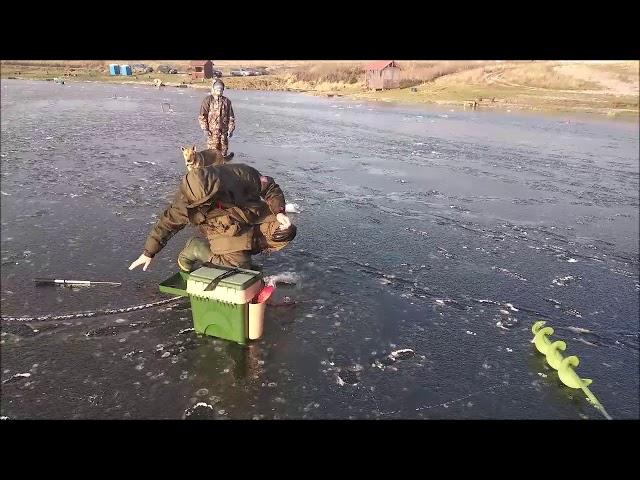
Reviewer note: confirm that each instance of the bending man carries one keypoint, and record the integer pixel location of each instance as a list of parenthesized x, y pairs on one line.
[(239, 212)]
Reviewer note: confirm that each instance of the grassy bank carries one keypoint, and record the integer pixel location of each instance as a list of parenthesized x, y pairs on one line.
[(606, 88)]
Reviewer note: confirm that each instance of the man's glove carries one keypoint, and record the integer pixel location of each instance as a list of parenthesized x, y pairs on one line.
[(285, 235)]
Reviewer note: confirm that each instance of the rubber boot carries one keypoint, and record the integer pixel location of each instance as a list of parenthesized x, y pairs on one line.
[(196, 250)]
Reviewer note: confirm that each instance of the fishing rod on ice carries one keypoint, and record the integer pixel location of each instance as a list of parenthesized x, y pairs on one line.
[(54, 281)]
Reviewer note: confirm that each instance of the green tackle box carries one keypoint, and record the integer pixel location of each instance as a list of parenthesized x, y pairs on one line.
[(224, 311)]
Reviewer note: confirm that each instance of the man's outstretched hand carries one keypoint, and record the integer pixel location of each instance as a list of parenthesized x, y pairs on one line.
[(142, 260)]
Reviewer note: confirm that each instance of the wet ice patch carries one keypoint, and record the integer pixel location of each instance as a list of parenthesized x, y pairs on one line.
[(402, 354), (292, 208), (291, 278), (555, 303), (506, 321), (573, 312), (347, 376), (509, 273), (16, 377), (586, 342), (395, 356), (564, 281), (579, 330), (445, 252), (199, 410), (311, 405)]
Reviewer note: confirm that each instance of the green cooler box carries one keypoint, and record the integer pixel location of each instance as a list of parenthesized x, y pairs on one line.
[(222, 312)]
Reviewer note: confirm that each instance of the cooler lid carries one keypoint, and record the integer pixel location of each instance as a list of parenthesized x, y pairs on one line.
[(238, 281)]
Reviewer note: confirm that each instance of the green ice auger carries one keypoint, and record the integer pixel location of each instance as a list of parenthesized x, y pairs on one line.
[(564, 366), (554, 357), (570, 378), (540, 339)]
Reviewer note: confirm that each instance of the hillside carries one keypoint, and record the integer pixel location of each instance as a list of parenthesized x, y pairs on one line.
[(604, 88)]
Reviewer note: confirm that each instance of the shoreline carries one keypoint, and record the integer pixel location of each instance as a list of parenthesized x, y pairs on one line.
[(398, 97)]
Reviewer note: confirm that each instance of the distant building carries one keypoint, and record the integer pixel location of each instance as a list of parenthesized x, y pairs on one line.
[(114, 69), (201, 69), (125, 70), (383, 75)]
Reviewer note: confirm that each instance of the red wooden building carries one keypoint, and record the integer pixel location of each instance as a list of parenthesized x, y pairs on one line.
[(383, 75), (201, 69)]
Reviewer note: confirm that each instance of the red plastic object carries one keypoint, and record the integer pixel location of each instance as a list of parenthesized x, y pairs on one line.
[(265, 293)]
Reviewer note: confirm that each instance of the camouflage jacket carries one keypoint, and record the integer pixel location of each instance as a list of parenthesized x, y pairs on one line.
[(225, 201), (216, 115)]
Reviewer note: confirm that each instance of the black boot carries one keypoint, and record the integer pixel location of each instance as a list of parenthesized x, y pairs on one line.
[(196, 250)]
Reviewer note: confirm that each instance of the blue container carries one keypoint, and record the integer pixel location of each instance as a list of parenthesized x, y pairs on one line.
[(114, 69), (125, 70)]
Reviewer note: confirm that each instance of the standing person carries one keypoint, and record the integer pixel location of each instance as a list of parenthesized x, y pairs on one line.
[(217, 119)]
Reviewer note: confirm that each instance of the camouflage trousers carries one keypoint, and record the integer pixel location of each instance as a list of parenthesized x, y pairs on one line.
[(259, 241), (218, 141)]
